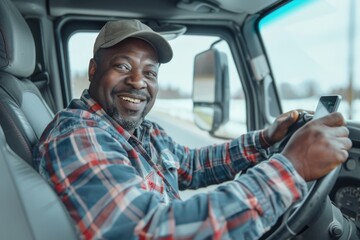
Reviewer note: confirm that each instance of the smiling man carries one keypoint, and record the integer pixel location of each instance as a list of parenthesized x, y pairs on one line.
[(119, 174), (123, 80)]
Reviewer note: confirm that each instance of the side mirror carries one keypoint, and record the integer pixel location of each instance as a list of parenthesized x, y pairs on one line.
[(211, 93)]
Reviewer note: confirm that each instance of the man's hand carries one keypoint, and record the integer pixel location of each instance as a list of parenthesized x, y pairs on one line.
[(319, 146), (279, 128)]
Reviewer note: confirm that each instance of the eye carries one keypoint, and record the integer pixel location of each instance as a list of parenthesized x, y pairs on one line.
[(151, 75), (123, 66)]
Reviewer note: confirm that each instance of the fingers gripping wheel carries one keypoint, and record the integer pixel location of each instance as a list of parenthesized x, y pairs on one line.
[(303, 118)]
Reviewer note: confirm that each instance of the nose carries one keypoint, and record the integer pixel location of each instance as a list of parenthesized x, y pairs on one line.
[(136, 80)]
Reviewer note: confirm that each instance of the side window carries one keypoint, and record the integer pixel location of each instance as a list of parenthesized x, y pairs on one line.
[(313, 48), (175, 80), (80, 52)]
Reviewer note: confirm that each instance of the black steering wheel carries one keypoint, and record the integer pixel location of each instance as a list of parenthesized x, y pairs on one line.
[(297, 216)]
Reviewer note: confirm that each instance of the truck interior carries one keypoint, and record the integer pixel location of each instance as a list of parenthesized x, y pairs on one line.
[(43, 44)]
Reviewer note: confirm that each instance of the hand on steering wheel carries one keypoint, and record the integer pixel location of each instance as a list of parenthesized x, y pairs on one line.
[(319, 146), (316, 150), (284, 126)]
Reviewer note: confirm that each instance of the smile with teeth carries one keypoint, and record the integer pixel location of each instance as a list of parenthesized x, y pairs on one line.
[(131, 100)]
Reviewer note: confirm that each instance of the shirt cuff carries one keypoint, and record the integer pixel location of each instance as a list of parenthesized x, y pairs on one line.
[(265, 152), (299, 181)]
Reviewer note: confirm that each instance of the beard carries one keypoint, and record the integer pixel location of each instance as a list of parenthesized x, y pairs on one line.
[(128, 125)]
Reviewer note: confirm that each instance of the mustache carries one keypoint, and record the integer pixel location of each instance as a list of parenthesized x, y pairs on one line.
[(134, 92)]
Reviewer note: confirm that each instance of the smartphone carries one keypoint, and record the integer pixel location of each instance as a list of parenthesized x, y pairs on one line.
[(326, 105)]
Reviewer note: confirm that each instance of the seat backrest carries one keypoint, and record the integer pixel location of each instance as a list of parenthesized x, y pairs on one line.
[(24, 113), (29, 208)]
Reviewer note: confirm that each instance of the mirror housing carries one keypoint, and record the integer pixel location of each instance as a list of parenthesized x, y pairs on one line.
[(211, 93)]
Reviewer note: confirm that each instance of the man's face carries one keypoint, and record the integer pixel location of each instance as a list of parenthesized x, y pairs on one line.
[(123, 80)]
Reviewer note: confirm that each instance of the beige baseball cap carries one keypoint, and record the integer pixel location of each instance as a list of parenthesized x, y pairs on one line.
[(114, 32)]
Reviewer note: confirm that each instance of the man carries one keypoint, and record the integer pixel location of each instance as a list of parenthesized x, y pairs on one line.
[(119, 175)]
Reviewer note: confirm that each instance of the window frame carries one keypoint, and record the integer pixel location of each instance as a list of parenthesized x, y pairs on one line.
[(67, 26)]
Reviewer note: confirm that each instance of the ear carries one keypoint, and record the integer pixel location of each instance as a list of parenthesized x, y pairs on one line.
[(92, 69)]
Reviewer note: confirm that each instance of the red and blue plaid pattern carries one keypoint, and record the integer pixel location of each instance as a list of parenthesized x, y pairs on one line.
[(121, 186)]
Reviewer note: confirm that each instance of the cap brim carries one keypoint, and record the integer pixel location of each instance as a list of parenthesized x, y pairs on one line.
[(160, 44)]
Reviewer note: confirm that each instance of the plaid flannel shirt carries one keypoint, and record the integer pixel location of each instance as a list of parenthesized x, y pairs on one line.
[(121, 186)]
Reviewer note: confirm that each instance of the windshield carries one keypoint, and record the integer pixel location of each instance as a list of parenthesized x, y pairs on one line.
[(314, 47)]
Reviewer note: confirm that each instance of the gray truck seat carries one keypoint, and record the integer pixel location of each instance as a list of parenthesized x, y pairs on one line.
[(24, 113), (29, 208)]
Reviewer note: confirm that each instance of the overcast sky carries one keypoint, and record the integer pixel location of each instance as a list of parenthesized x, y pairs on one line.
[(318, 42)]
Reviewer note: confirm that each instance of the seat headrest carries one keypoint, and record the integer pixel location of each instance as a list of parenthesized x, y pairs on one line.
[(17, 46)]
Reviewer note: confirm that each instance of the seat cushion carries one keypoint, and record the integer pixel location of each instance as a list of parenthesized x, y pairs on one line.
[(29, 207)]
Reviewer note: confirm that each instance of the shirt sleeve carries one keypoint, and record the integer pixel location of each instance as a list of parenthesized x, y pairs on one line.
[(216, 164), (103, 193), (246, 208)]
